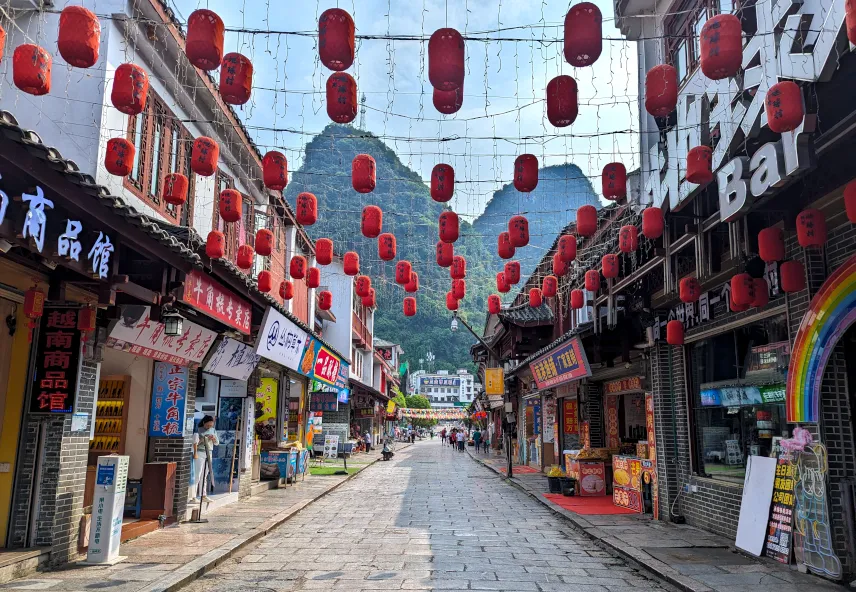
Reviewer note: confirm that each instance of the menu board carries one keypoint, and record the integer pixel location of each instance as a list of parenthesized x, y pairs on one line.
[(778, 544)]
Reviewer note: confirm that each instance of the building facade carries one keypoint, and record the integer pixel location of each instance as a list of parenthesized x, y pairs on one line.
[(444, 389)]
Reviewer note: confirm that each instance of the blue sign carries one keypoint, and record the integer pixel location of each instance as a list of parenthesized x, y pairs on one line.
[(169, 401), (106, 475)]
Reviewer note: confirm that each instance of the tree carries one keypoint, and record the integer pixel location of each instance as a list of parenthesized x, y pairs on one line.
[(420, 402)]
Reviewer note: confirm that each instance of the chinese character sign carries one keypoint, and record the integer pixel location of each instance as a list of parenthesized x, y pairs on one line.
[(169, 401), (206, 295), (440, 381), (281, 340), (137, 333), (494, 382), (613, 439), (570, 416), (779, 533), (57, 362), (565, 363), (321, 364), (233, 359)]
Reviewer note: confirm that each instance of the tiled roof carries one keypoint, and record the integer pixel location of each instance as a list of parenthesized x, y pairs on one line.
[(523, 314)]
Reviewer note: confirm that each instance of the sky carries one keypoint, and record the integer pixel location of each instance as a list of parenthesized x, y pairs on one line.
[(504, 111)]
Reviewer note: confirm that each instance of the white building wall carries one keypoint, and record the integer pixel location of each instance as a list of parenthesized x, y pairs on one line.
[(338, 334)]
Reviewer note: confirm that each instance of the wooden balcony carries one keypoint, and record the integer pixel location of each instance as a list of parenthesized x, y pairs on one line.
[(360, 334)]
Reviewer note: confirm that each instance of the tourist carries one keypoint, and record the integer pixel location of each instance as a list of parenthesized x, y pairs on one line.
[(477, 436), (204, 441), (443, 437), (462, 440)]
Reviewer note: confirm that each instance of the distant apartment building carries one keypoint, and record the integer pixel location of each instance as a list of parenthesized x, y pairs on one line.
[(444, 389)]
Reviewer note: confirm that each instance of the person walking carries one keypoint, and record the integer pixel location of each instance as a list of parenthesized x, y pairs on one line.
[(367, 438), (477, 436), (443, 437), (461, 438)]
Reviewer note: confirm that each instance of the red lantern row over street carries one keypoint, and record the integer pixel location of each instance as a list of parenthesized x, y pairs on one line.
[(610, 266), (264, 242), (562, 101), (518, 231), (175, 187), (661, 90), (451, 302), (410, 306), (811, 228), (229, 206), (341, 97), (586, 220), (504, 248), (403, 271), (771, 244), (215, 245), (628, 238), (204, 42), (690, 289), (448, 226), (550, 286), (675, 332), (79, 36), (512, 273), (323, 251), (119, 158), (336, 39), (458, 269), (535, 297), (313, 277), (245, 256), (362, 285), (363, 173), (721, 47), (445, 254), (560, 268), (578, 299), (583, 34), (699, 169), (413, 285), (325, 300), (614, 181), (297, 267), (264, 281), (371, 222), (448, 102), (592, 280), (275, 170), (236, 78), (386, 246), (31, 69), (526, 173), (442, 182), (307, 208), (351, 261), (130, 89), (204, 155), (446, 59), (502, 284), (653, 223), (494, 304), (567, 248), (286, 290)]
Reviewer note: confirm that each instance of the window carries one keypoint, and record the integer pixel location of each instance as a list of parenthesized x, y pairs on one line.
[(683, 32)]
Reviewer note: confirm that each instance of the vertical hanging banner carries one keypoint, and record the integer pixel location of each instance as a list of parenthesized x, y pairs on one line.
[(494, 381), (570, 416), (57, 362), (780, 531), (169, 401), (612, 437)]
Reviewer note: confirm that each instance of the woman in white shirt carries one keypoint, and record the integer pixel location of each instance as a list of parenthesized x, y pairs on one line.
[(204, 441)]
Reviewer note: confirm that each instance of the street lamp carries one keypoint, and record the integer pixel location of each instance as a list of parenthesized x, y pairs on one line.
[(454, 324)]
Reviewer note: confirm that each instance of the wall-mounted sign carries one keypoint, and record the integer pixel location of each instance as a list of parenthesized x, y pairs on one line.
[(774, 356), (208, 296), (323, 402), (57, 362), (135, 332), (233, 389), (623, 385), (233, 359), (281, 340), (385, 353), (440, 381), (364, 412), (169, 401), (494, 381), (321, 364), (565, 363)]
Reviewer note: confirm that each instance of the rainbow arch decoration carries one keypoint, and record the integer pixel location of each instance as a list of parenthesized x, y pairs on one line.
[(831, 312)]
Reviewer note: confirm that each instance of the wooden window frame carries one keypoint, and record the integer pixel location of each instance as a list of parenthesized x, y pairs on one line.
[(223, 181)]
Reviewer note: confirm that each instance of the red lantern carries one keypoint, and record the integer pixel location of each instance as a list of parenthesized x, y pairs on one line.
[(351, 263), (445, 254), (762, 293), (792, 275), (448, 102), (265, 281), (583, 34), (448, 226), (675, 332), (518, 231), (742, 289), (850, 20), (784, 107), (336, 39), (323, 251), (451, 303), (661, 90), (119, 159), (370, 301), (578, 299), (410, 306), (653, 223), (560, 268), (313, 277), (341, 97), (502, 284), (610, 266), (275, 170), (811, 228), (567, 248), (850, 198), (442, 182), (79, 36), (130, 89), (592, 280), (203, 156), (264, 242), (771, 244), (230, 205), (297, 267), (362, 286), (236, 79), (86, 321), (307, 209), (175, 186), (459, 289), (34, 308), (325, 300), (721, 47), (526, 173), (690, 289), (245, 257), (562, 107), (512, 272), (614, 181), (2, 41), (494, 304), (31, 69), (699, 165), (628, 239), (504, 248), (587, 220), (737, 307), (413, 285), (535, 297), (458, 271), (549, 286), (215, 245), (446, 59), (403, 271), (286, 290), (372, 221), (386, 246), (363, 173), (205, 36)]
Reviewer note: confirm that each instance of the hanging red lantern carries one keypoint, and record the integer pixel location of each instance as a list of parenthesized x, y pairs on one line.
[(175, 186), (34, 308), (445, 253), (323, 251), (236, 78), (386, 246), (458, 270), (313, 277), (562, 106), (403, 271), (610, 266), (2, 41), (737, 307), (699, 169), (448, 226), (578, 299), (560, 268), (363, 173), (370, 301), (721, 47), (811, 229), (690, 289), (628, 239), (550, 286), (119, 159), (205, 36), (586, 220), (742, 289), (526, 173), (230, 205), (512, 272), (203, 156), (850, 198), (79, 36), (494, 304), (265, 281), (850, 20), (442, 182), (31, 69), (451, 303), (771, 244), (504, 248), (341, 97), (675, 332), (448, 102), (87, 320), (275, 170), (307, 209), (325, 300), (762, 293), (459, 289), (583, 34), (614, 181), (784, 106), (297, 267), (592, 280), (130, 89), (518, 231), (413, 285), (264, 242), (792, 275), (446, 59), (336, 40), (215, 245), (245, 257), (351, 262), (661, 90), (653, 223), (286, 290), (362, 285), (372, 221), (535, 297), (410, 306), (502, 284), (567, 248)]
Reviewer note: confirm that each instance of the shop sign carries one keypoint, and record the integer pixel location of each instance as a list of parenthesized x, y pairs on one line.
[(494, 381), (613, 440), (570, 411), (565, 363), (233, 389), (774, 356), (136, 333), (549, 420), (779, 533), (323, 401), (585, 434), (439, 381), (739, 396), (281, 340), (364, 413), (169, 401), (390, 407), (773, 393), (624, 385), (320, 364), (208, 296), (385, 353), (233, 359), (266, 407), (649, 422), (57, 362), (496, 401)]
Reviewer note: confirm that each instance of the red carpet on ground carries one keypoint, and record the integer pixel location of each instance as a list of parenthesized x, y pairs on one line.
[(523, 470), (588, 506)]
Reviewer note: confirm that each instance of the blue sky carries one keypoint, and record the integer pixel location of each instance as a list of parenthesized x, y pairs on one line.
[(504, 86)]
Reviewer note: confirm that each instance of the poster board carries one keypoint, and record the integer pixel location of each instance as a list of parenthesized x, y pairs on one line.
[(780, 530), (755, 505), (331, 446)]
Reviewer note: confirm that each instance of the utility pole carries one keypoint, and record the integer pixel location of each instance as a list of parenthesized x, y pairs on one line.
[(363, 112)]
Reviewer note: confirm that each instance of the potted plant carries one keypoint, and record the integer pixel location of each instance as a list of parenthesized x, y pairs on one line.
[(554, 479)]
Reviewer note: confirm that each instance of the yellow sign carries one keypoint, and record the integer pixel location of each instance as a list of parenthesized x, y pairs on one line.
[(266, 407), (390, 407), (494, 381)]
